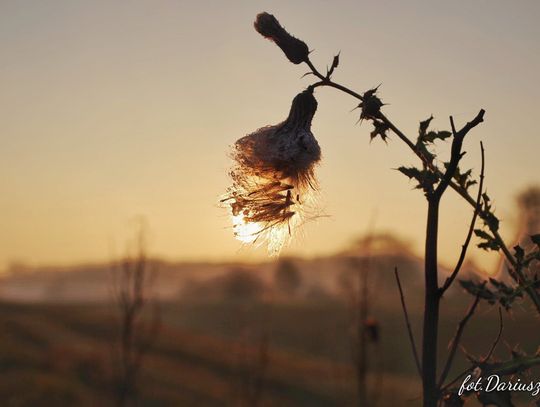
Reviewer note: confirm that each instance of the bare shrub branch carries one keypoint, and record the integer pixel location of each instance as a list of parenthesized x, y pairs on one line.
[(465, 246), (454, 344), (408, 323)]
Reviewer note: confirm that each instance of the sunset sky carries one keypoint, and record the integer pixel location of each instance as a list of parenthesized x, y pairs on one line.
[(115, 109)]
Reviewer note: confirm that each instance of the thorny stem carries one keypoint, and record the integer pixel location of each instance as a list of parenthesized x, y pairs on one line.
[(456, 154), (431, 389), (461, 259), (432, 293), (519, 277)]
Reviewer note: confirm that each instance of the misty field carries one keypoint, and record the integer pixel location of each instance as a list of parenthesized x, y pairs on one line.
[(209, 346)]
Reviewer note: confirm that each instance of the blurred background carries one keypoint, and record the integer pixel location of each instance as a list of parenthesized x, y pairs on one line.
[(120, 279)]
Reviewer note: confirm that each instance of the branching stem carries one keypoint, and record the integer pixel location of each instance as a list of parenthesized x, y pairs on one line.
[(465, 246), (518, 276)]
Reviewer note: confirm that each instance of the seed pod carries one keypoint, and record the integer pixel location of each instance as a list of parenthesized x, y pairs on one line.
[(273, 177), (269, 27)]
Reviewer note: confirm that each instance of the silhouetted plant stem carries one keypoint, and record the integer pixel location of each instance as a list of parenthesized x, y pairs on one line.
[(497, 338), (456, 339), (518, 275), (131, 284), (363, 310), (431, 306), (432, 291), (465, 246), (434, 181), (360, 309), (408, 323)]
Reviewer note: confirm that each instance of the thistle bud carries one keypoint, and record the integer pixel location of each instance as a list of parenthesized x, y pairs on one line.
[(269, 27), (371, 105), (273, 177)]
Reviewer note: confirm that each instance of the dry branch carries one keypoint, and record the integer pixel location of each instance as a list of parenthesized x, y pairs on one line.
[(465, 246), (454, 344), (408, 323)]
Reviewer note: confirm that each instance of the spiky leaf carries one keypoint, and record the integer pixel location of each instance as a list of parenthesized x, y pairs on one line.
[(426, 179), (379, 129), (422, 130), (432, 136)]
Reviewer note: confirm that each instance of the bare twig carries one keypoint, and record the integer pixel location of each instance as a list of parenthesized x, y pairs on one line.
[(453, 125), (455, 157), (253, 369), (465, 246), (408, 323), (132, 280), (454, 380), (497, 339), (363, 305), (454, 344), (484, 359)]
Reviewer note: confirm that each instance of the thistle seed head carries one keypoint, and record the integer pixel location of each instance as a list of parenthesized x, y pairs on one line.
[(273, 177), (269, 27)]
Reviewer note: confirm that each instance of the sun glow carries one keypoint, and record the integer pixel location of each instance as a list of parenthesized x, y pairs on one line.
[(246, 232), (275, 237), (280, 207)]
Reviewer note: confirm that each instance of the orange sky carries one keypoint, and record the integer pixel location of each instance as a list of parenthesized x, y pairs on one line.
[(116, 109)]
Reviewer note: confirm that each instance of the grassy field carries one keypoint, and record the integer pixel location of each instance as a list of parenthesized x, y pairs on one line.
[(205, 353)]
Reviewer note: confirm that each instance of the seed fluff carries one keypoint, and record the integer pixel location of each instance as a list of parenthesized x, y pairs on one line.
[(273, 178)]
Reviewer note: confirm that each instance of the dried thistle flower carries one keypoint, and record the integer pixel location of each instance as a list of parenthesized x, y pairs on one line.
[(269, 27), (370, 105), (273, 177)]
